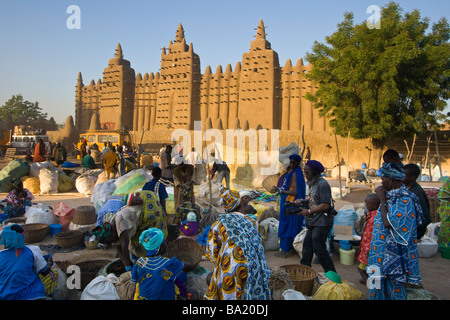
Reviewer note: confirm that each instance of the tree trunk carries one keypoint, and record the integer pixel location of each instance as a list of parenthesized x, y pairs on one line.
[(377, 152)]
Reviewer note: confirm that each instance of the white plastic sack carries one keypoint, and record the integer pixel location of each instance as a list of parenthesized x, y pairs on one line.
[(285, 152), (203, 192), (48, 181), (427, 247), (290, 294), (103, 191), (298, 241), (270, 233), (433, 230), (39, 215), (85, 184), (36, 167), (101, 288)]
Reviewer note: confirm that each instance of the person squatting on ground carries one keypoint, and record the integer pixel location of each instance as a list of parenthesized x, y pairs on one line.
[(157, 277), (25, 273), (142, 211)]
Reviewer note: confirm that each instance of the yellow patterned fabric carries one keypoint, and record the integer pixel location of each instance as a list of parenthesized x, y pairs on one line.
[(231, 268), (151, 216), (229, 199), (50, 282)]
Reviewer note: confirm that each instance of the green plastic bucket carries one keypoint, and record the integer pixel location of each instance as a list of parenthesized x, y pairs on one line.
[(445, 251)]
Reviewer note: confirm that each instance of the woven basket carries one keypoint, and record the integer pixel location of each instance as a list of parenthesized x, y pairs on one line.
[(68, 239), (91, 245), (35, 232), (85, 215), (18, 220), (185, 250), (89, 270), (270, 181), (302, 277)]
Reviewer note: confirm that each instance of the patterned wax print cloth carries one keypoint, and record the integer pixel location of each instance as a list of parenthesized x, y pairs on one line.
[(241, 271), (444, 212), (364, 246), (156, 277), (137, 220), (393, 252)]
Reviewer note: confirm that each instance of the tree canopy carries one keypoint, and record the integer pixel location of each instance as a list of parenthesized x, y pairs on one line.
[(386, 82), (17, 111)]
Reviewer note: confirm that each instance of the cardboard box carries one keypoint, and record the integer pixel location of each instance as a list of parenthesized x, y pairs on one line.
[(343, 232)]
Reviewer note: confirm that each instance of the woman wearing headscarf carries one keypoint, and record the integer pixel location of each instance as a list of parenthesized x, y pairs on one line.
[(141, 211), (236, 248), (25, 274), (18, 199), (318, 221), (157, 277), (393, 257), (293, 188)]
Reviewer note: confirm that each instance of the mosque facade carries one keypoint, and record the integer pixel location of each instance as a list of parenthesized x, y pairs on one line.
[(257, 94)]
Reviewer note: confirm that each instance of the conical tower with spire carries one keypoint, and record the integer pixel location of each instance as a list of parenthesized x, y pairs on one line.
[(260, 83), (178, 99), (117, 100)]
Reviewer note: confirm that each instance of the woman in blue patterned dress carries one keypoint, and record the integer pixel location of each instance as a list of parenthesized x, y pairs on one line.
[(393, 257)]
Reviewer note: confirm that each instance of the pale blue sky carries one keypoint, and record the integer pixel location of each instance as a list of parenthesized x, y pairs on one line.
[(40, 57)]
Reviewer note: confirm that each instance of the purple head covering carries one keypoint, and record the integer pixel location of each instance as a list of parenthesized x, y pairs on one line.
[(315, 165), (295, 157)]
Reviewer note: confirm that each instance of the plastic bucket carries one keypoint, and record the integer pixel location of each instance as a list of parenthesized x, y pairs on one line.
[(55, 228), (445, 251), (347, 257)]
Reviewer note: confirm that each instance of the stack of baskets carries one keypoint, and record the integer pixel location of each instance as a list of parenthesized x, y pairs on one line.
[(35, 232), (85, 218), (302, 277), (186, 250), (68, 239)]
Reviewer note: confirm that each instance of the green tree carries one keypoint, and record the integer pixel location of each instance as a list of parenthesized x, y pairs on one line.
[(21, 111), (382, 83)]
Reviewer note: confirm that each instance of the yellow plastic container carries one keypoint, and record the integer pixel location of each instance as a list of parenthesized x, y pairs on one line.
[(347, 257)]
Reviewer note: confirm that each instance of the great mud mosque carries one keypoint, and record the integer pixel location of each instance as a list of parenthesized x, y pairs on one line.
[(257, 94)]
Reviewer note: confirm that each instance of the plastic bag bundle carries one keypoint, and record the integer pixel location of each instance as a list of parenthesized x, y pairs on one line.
[(285, 152), (33, 184), (132, 183), (125, 288), (48, 181), (101, 288), (36, 168), (85, 184), (65, 183), (103, 191), (65, 214), (269, 229), (427, 247), (142, 172), (102, 178), (337, 291), (40, 214), (15, 169)]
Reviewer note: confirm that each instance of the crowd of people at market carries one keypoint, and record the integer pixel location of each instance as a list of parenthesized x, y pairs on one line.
[(396, 217)]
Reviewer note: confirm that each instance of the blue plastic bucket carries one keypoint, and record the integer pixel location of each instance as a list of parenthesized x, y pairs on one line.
[(55, 228)]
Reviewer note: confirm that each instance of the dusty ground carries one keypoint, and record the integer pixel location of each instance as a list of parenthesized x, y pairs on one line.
[(434, 270)]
